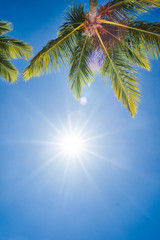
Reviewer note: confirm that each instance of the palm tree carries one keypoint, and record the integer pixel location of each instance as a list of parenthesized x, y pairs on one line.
[(11, 49), (112, 39)]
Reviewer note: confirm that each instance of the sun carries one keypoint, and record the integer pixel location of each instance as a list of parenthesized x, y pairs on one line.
[(72, 144), (72, 141)]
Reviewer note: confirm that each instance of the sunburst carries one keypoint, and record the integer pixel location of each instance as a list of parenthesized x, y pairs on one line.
[(72, 143)]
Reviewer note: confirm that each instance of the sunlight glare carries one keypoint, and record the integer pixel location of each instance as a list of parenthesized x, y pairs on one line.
[(72, 144)]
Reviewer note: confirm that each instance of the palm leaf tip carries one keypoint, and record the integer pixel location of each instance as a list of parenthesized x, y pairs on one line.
[(55, 53), (26, 74), (8, 71), (13, 49), (5, 27), (25, 50), (131, 7), (121, 77), (80, 74)]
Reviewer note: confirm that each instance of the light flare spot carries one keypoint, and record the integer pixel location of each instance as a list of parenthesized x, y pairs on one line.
[(96, 59), (83, 101)]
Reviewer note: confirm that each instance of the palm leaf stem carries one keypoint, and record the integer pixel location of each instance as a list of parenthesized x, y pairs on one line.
[(143, 65), (111, 34), (125, 26), (100, 39), (62, 39), (82, 51), (125, 1), (130, 107), (121, 2), (77, 77), (15, 49)]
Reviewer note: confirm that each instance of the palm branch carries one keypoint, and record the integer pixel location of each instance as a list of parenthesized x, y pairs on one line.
[(80, 74), (121, 77), (5, 27), (128, 8), (53, 54), (11, 49), (8, 71), (114, 31), (57, 51)]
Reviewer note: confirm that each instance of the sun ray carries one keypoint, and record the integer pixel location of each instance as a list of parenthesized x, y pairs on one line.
[(89, 176)]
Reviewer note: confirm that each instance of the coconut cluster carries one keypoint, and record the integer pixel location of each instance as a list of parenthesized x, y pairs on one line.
[(90, 27)]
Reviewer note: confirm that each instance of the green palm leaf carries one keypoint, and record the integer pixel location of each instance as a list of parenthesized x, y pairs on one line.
[(132, 7), (121, 77), (13, 49), (144, 35), (5, 27), (52, 55), (80, 74), (74, 15), (125, 43), (7, 70), (57, 51), (135, 57), (141, 35)]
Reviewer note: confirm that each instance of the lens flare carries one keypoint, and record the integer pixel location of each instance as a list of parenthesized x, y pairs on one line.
[(83, 101), (96, 59)]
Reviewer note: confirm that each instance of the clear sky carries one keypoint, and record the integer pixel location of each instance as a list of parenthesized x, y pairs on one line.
[(113, 191)]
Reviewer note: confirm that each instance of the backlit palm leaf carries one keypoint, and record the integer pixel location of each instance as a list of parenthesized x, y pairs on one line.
[(52, 55), (80, 74), (134, 52), (74, 16), (141, 34), (7, 70), (139, 58), (112, 36), (144, 35), (120, 75), (5, 27), (11, 49), (124, 8), (57, 51)]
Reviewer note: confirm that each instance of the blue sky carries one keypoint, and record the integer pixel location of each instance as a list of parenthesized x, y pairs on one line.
[(114, 192)]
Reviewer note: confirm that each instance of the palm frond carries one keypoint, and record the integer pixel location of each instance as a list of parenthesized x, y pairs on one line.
[(51, 56), (137, 58), (57, 51), (80, 74), (7, 70), (74, 16), (121, 42), (144, 36), (131, 7), (122, 78), (141, 34), (5, 27), (13, 49)]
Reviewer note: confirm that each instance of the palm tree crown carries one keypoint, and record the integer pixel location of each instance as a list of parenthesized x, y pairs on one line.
[(11, 49), (111, 41)]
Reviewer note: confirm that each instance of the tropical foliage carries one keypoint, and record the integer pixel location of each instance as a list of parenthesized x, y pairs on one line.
[(11, 49), (115, 38)]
